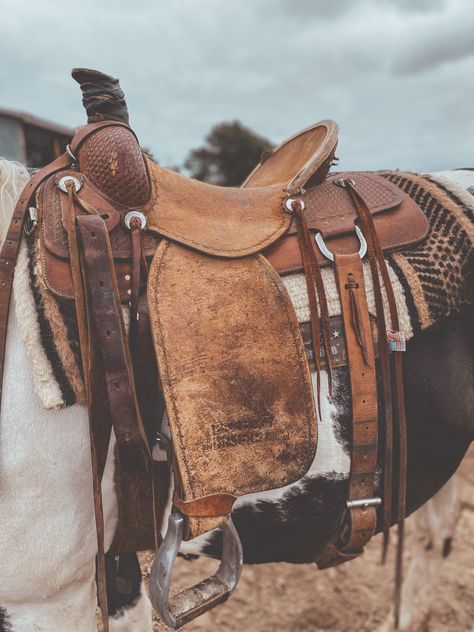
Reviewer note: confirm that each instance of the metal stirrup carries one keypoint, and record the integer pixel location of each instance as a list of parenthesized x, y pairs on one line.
[(193, 601)]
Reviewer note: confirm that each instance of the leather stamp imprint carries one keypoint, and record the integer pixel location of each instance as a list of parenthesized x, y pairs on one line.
[(243, 431)]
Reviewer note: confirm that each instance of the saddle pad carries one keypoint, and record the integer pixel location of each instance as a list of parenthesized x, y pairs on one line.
[(222, 221), (329, 210), (235, 376)]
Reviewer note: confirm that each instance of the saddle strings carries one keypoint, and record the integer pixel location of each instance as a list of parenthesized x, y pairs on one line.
[(316, 295)]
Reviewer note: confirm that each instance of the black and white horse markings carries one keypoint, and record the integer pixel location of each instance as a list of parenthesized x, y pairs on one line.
[(47, 539)]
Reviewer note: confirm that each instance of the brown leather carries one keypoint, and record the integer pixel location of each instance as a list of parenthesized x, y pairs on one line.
[(54, 251), (398, 224), (357, 524), (377, 263), (395, 228), (235, 376), (226, 216), (210, 506), (330, 211), (109, 330), (223, 221), (109, 155), (299, 158), (316, 294), (54, 222)]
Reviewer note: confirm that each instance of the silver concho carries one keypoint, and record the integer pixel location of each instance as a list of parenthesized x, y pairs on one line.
[(65, 179), (139, 215)]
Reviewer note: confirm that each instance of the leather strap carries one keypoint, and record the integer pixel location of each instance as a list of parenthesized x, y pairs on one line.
[(109, 329), (316, 294), (357, 523), (377, 260)]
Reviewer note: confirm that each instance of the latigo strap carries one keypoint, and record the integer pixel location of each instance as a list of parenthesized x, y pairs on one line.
[(359, 517)]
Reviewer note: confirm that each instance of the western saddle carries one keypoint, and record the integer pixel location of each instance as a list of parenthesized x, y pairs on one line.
[(229, 361)]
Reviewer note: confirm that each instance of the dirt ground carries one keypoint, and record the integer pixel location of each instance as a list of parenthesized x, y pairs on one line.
[(355, 597)]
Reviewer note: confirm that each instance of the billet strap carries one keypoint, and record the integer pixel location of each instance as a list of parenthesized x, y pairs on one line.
[(359, 518), (11, 246)]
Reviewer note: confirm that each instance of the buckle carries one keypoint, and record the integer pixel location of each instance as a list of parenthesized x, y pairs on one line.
[(364, 503), (31, 221)]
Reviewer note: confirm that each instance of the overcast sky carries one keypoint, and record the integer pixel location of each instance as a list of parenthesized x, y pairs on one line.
[(397, 75)]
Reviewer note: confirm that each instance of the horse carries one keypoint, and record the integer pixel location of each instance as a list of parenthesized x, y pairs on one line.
[(47, 543)]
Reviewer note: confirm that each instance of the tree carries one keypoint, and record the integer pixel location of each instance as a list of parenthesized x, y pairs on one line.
[(229, 154)]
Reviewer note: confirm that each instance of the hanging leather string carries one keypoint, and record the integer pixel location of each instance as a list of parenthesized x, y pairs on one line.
[(316, 294), (377, 263), (351, 286)]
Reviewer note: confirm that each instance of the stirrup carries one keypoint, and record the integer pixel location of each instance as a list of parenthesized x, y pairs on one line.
[(194, 601)]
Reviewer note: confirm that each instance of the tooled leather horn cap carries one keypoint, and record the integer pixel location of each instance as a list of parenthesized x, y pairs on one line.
[(102, 96)]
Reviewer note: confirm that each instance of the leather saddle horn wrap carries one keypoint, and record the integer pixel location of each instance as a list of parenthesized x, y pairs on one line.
[(235, 378)]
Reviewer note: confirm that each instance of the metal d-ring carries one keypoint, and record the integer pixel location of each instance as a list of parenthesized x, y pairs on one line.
[(329, 255), (188, 604), (139, 215), (62, 184)]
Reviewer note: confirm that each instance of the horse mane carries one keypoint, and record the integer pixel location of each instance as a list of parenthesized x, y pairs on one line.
[(13, 178)]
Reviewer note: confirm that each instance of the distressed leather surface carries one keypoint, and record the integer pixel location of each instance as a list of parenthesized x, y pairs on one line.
[(223, 221), (234, 373)]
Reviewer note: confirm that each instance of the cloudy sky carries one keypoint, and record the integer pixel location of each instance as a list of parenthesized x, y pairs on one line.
[(397, 75)]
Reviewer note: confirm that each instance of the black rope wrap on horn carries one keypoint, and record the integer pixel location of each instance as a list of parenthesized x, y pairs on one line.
[(102, 96)]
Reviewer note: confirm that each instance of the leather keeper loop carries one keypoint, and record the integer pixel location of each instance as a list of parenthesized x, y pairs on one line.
[(210, 506)]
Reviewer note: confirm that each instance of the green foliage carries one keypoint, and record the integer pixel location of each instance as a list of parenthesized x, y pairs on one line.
[(229, 154)]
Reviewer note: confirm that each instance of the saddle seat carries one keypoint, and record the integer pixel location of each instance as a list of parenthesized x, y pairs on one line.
[(223, 221)]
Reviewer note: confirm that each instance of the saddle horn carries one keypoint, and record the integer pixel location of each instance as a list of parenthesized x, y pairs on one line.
[(102, 96), (110, 156)]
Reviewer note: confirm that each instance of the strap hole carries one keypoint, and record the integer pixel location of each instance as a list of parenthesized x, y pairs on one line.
[(117, 385), (93, 234), (105, 216), (101, 283), (108, 332)]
